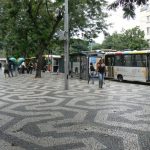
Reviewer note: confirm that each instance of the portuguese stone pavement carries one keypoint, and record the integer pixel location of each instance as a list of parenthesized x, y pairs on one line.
[(38, 114)]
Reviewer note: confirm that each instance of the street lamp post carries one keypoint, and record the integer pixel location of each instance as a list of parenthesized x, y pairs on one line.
[(66, 45), (91, 46)]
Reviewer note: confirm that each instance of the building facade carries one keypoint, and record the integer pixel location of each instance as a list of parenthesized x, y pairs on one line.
[(145, 21)]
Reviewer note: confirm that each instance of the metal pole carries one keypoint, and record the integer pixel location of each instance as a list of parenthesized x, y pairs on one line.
[(66, 45), (91, 45)]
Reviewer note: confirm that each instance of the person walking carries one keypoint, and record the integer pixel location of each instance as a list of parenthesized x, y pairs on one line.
[(6, 69), (91, 73), (23, 67), (11, 68), (30, 67), (101, 72)]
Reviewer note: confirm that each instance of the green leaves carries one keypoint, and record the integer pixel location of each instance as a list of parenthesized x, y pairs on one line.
[(87, 16), (31, 25), (129, 39), (78, 45), (128, 6)]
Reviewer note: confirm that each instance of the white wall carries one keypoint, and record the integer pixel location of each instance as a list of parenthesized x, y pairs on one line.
[(144, 22)]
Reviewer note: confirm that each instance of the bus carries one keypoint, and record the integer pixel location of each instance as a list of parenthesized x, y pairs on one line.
[(128, 65)]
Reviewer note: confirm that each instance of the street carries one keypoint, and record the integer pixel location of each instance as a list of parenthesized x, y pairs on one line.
[(38, 114)]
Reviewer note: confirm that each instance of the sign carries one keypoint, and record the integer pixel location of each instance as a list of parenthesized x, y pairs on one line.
[(92, 60), (61, 35)]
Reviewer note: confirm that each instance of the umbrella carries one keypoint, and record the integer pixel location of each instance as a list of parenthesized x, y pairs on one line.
[(20, 60), (13, 59)]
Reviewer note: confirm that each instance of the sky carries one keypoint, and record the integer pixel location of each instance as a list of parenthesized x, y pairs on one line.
[(118, 23)]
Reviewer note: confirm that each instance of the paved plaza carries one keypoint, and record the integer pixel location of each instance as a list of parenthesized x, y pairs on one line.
[(38, 114)]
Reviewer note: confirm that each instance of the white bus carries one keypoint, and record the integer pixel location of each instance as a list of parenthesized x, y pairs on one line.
[(128, 65)]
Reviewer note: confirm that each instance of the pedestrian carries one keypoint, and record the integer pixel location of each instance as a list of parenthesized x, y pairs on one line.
[(91, 73), (11, 68), (23, 67), (101, 72), (6, 70), (15, 69), (30, 67)]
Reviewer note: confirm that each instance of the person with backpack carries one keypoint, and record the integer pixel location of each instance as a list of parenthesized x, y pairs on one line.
[(91, 73)]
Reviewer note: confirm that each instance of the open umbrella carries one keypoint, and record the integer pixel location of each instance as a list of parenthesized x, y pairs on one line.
[(20, 60), (13, 59)]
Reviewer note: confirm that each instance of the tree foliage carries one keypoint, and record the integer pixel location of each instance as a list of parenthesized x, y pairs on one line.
[(30, 27), (78, 45), (127, 6), (96, 46), (129, 39)]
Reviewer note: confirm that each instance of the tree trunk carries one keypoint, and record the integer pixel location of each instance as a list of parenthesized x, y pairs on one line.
[(39, 65)]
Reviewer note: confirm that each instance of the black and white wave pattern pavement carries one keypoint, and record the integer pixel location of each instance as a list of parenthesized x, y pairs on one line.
[(38, 114)]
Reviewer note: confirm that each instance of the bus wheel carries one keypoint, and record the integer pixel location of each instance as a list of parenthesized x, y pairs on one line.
[(120, 78)]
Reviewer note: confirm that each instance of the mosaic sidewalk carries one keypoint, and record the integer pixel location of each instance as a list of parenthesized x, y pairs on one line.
[(38, 114)]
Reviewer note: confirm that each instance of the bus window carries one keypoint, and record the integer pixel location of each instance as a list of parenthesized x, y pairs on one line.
[(134, 62), (141, 60), (109, 60), (112, 61), (127, 60), (118, 60)]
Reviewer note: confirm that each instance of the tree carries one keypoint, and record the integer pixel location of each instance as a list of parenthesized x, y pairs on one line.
[(96, 46), (32, 25), (127, 6), (114, 41), (129, 39), (78, 45), (135, 38)]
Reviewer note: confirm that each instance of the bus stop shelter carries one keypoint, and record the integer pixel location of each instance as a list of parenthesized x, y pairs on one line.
[(79, 63)]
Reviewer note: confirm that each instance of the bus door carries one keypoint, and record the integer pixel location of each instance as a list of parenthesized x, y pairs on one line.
[(148, 60), (109, 66)]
